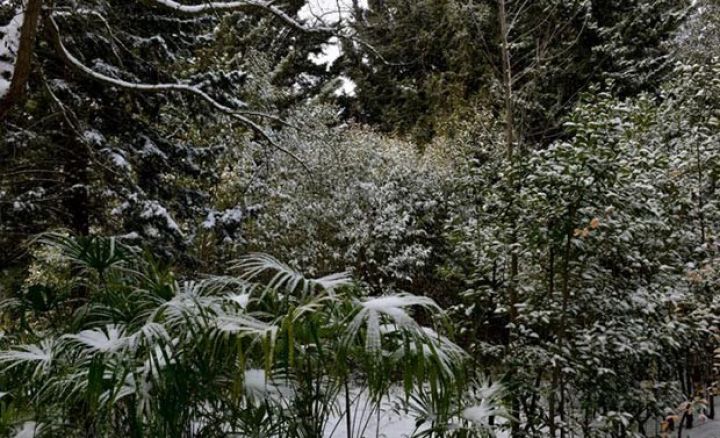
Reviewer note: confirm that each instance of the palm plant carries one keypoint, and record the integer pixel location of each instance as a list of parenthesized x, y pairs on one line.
[(264, 351)]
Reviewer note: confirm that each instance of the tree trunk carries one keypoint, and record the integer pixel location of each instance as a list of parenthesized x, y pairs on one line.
[(77, 199), (507, 81), (558, 381), (509, 150), (711, 401), (680, 424), (552, 413), (23, 58)]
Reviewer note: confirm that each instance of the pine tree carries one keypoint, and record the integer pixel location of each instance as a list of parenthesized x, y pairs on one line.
[(442, 59), (116, 116)]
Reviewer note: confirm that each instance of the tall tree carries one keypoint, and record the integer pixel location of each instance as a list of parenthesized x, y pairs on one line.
[(113, 115), (441, 54)]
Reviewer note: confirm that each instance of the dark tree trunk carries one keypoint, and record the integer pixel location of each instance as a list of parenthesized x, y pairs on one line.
[(711, 401), (77, 199), (23, 60)]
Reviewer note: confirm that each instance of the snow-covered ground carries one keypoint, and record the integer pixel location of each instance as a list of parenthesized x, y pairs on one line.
[(392, 423), (710, 429), (365, 419)]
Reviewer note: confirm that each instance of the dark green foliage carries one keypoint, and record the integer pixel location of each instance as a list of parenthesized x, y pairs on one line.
[(440, 55)]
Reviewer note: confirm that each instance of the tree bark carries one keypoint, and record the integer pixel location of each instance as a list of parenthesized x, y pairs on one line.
[(509, 145), (507, 81), (23, 60), (711, 401)]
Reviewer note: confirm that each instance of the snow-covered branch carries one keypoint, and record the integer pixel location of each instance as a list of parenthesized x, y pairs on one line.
[(138, 86), (240, 4), (171, 87)]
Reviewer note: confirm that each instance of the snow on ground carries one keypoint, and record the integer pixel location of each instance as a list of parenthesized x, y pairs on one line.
[(392, 424), (710, 429)]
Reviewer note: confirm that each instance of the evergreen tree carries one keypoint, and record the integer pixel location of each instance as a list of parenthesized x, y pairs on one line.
[(439, 55), (116, 116)]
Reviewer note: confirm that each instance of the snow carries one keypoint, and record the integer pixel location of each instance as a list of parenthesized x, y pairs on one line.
[(8, 49), (133, 235), (347, 87), (108, 340), (391, 307), (232, 216), (177, 87), (330, 53), (477, 414), (150, 149), (41, 354), (259, 387), (241, 300), (118, 159), (392, 423), (93, 137), (206, 7), (209, 222), (153, 209), (27, 430)]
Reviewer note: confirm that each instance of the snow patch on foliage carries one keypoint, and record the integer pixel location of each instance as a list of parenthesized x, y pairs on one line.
[(150, 149), (153, 209), (105, 340), (93, 137)]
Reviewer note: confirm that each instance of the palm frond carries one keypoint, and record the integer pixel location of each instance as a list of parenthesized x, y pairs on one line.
[(392, 308), (108, 339), (88, 252), (190, 305), (38, 357), (246, 325), (149, 334), (487, 404), (285, 278)]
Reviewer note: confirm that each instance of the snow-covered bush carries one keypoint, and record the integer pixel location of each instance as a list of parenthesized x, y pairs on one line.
[(360, 200), (613, 244)]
